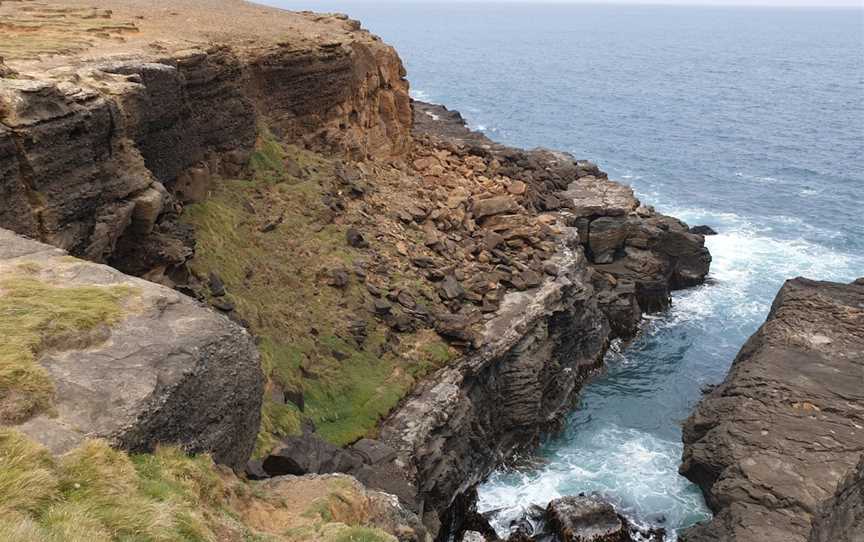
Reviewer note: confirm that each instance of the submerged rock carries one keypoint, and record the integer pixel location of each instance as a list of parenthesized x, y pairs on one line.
[(770, 445)]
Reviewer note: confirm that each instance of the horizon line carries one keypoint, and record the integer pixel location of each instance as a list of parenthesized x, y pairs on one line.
[(857, 5)]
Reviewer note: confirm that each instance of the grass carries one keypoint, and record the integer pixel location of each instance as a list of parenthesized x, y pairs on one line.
[(36, 316), (95, 493), (98, 494), (277, 280)]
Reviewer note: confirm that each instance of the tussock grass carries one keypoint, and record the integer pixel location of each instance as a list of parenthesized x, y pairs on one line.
[(35, 316), (98, 494)]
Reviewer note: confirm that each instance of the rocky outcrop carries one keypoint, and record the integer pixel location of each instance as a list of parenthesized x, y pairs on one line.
[(586, 519), (168, 370), (841, 519), (87, 150), (772, 443), (533, 353)]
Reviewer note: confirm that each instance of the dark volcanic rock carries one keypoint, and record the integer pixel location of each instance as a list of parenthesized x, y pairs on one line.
[(771, 444), (586, 519), (703, 230)]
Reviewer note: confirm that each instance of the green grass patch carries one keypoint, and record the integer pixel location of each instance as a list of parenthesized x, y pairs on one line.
[(35, 316), (95, 493), (277, 279)]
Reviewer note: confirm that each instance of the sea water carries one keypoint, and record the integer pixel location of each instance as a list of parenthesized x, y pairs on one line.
[(750, 120)]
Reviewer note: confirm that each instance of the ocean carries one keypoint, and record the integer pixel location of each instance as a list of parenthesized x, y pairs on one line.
[(750, 120)]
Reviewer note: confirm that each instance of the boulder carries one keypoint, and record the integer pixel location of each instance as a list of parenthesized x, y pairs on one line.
[(586, 519), (605, 236), (495, 205), (772, 443), (167, 370)]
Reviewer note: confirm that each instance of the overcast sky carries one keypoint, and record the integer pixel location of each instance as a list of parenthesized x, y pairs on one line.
[(795, 3)]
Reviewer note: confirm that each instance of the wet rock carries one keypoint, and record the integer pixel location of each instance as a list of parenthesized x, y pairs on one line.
[(586, 519), (355, 238), (772, 443), (703, 230)]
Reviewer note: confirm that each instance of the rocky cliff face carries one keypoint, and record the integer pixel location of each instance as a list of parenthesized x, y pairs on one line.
[(88, 149), (841, 518), (537, 349), (91, 353), (265, 163), (771, 444)]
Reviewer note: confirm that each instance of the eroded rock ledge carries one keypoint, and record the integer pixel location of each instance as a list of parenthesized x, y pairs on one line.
[(771, 444)]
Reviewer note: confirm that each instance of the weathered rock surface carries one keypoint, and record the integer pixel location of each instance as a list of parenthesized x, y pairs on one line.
[(535, 354), (171, 371), (772, 443), (370, 461), (841, 519)]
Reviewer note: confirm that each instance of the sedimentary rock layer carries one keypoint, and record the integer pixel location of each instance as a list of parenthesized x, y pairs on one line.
[(87, 148), (169, 370), (771, 444)]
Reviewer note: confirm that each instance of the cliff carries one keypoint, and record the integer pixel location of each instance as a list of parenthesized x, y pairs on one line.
[(771, 444), (416, 291)]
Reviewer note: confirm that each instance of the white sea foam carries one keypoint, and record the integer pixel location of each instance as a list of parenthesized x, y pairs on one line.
[(635, 470), (419, 95), (638, 470)]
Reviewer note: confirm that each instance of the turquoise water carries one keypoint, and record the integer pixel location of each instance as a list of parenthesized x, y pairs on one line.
[(749, 120)]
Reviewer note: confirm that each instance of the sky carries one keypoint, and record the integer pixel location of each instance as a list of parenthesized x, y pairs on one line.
[(779, 3)]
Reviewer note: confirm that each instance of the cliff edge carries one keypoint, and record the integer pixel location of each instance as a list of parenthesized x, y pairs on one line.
[(770, 445)]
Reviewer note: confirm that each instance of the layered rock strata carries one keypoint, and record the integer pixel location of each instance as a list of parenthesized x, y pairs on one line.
[(168, 370), (88, 144), (771, 444)]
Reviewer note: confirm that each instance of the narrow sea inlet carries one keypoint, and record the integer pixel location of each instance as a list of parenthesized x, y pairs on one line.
[(624, 439), (745, 119)]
